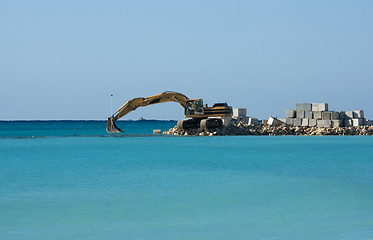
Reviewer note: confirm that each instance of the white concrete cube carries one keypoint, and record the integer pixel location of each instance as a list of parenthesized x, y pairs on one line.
[(324, 123), (323, 107), (335, 115), (239, 112), (317, 115), (301, 114), (305, 122), (307, 114), (337, 123), (319, 107), (358, 122), (290, 113), (304, 107), (290, 121), (312, 122), (326, 116), (298, 122)]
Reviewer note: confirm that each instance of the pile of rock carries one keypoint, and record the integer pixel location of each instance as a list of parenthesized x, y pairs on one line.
[(261, 129), (317, 115)]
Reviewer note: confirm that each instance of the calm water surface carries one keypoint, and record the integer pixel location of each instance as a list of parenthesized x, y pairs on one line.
[(55, 185)]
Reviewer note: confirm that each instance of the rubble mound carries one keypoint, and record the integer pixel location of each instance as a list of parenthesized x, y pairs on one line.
[(261, 129)]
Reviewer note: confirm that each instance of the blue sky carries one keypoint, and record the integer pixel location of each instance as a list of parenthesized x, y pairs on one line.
[(63, 59)]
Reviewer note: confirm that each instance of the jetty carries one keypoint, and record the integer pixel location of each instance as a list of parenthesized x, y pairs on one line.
[(305, 119)]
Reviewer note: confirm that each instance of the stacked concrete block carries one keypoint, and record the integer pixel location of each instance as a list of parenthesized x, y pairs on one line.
[(326, 116), (305, 122), (319, 107), (304, 106), (324, 123), (290, 113), (318, 114), (312, 122), (301, 114), (337, 123), (297, 122), (290, 121), (335, 115), (353, 118)]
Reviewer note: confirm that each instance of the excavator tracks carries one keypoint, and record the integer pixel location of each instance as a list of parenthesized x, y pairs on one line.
[(200, 124)]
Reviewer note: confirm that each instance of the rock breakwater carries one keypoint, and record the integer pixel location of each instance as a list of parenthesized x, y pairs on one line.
[(246, 129)]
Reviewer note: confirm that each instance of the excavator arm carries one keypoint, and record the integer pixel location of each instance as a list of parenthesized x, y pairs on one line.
[(133, 104)]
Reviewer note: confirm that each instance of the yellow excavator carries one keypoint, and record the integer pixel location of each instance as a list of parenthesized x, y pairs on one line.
[(201, 117)]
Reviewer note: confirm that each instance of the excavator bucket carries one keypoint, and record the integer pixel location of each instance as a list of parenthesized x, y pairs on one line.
[(112, 127)]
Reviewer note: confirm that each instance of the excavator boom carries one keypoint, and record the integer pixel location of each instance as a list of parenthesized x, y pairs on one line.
[(133, 104)]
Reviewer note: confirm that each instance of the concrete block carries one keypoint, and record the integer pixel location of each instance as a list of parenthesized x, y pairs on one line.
[(337, 123), (335, 115), (298, 122), (253, 121), (316, 107), (324, 123), (349, 115), (342, 115), (290, 121), (317, 115), (323, 107), (326, 116), (305, 122), (307, 114), (312, 122), (301, 114), (358, 114), (290, 113), (274, 122), (239, 112), (348, 122), (358, 122), (319, 107), (304, 107)]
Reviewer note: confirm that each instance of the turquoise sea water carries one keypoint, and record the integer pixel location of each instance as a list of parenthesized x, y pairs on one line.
[(57, 185)]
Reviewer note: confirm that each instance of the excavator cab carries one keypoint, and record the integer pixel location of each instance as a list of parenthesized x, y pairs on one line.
[(194, 107)]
